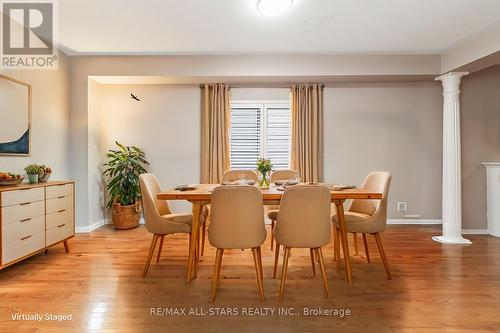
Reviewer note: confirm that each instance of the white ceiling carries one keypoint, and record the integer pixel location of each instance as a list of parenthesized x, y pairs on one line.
[(235, 27)]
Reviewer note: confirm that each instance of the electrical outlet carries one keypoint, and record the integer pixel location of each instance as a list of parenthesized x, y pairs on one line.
[(402, 206)]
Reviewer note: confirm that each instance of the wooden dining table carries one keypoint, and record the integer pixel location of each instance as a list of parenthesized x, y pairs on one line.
[(202, 196)]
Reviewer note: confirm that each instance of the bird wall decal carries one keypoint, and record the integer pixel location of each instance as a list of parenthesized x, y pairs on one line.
[(134, 97)]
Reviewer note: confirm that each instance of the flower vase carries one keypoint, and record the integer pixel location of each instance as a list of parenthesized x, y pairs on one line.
[(264, 180), (33, 178)]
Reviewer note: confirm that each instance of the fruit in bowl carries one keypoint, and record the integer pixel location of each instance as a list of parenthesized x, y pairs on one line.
[(9, 175), (9, 178)]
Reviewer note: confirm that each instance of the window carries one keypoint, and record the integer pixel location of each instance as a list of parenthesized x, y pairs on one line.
[(260, 130)]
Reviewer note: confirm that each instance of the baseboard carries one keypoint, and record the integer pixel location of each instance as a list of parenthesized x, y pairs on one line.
[(92, 227), (475, 231), (100, 223), (414, 221)]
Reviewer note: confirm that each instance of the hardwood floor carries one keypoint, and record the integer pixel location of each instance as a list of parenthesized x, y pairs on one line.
[(435, 288)]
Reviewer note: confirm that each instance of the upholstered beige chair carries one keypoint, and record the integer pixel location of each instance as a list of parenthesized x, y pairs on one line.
[(367, 216), (160, 220), (272, 210), (237, 222), (303, 222), (234, 175)]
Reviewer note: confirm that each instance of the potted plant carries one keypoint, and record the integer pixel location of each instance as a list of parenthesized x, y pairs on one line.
[(124, 167), (33, 170), (264, 166), (45, 173)]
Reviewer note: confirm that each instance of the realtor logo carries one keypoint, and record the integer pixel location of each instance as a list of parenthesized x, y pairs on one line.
[(28, 35)]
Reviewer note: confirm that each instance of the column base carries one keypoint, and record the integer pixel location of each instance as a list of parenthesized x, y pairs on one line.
[(451, 240)]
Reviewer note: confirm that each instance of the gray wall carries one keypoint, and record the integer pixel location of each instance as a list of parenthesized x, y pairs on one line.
[(480, 108), (392, 127)]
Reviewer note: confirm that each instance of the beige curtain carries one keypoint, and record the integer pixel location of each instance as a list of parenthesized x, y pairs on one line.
[(215, 122), (307, 131)]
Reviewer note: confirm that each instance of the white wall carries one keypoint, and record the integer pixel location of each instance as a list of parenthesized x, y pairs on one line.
[(50, 119), (269, 94), (95, 195), (166, 123)]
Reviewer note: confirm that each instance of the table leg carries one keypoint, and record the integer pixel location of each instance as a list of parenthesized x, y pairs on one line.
[(343, 238), (194, 239)]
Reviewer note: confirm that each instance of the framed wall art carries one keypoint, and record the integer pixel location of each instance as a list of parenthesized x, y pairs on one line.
[(15, 117)]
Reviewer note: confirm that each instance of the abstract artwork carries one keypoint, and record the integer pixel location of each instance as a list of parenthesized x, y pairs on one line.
[(15, 117)]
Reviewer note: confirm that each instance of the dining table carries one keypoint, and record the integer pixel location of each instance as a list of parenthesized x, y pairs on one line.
[(201, 195)]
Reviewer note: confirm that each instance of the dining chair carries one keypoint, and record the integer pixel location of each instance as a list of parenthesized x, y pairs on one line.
[(367, 216), (160, 221), (237, 222), (229, 176), (234, 175), (272, 210), (303, 222)]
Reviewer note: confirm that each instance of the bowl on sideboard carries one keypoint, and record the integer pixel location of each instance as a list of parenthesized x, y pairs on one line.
[(11, 182)]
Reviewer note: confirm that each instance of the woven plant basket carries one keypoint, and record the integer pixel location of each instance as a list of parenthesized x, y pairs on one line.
[(126, 217)]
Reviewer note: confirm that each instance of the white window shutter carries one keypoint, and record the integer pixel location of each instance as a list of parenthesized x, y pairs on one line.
[(245, 136), (278, 136), (260, 130)]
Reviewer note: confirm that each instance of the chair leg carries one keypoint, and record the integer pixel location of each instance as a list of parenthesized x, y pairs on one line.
[(203, 237), (150, 255), (355, 242), (283, 273), (337, 248), (276, 256), (198, 245), (259, 252), (272, 235), (196, 255), (382, 254), (160, 248), (215, 279), (258, 271), (366, 248), (323, 272), (335, 243), (312, 261), (189, 245)]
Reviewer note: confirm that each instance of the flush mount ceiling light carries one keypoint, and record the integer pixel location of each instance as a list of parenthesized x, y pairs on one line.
[(273, 7)]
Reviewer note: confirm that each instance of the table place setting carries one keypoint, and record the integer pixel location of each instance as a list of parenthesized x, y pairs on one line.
[(340, 187), (240, 182), (283, 184), (186, 188)]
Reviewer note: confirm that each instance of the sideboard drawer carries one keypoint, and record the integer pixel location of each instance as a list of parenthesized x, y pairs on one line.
[(22, 247), (58, 218), (59, 233), (15, 231), (11, 198), (59, 191), (59, 203), (22, 211)]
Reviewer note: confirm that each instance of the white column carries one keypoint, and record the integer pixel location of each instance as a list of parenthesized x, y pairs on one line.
[(452, 179)]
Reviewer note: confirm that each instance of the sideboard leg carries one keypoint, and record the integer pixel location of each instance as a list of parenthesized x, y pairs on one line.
[(66, 246)]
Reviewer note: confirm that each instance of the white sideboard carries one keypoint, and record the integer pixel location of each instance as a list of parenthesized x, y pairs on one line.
[(493, 197), (34, 217)]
